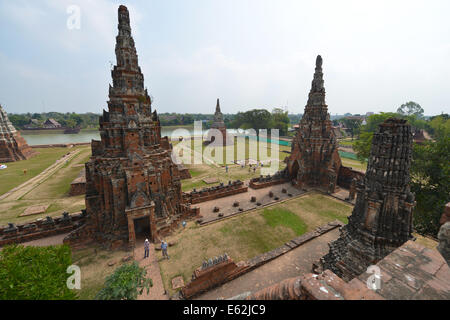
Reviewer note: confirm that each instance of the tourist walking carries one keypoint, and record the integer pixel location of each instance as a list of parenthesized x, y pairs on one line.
[(146, 248), (164, 249)]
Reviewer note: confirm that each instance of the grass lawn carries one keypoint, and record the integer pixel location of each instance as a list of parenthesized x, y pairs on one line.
[(13, 175), (58, 185), (52, 192), (355, 164), (249, 234)]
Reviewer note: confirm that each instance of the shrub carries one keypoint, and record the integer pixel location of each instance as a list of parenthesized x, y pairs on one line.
[(125, 283), (35, 273)]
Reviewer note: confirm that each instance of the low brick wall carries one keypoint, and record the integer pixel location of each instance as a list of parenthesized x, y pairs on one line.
[(264, 182), (211, 274), (216, 192), (40, 228)]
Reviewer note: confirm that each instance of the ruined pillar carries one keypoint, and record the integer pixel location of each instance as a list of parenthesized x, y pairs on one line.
[(381, 220)]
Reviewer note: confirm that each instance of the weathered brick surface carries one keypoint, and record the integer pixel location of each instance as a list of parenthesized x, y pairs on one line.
[(211, 274), (131, 174), (314, 159), (13, 146)]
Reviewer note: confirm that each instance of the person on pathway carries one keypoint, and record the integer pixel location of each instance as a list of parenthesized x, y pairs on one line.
[(226, 168), (146, 248), (164, 249)]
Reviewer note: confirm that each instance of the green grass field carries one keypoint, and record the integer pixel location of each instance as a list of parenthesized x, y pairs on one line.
[(14, 176)]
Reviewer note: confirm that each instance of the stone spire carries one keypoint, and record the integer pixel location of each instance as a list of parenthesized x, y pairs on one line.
[(218, 117), (218, 107), (381, 220), (13, 146), (314, 159), (132, 184), (219, 125)]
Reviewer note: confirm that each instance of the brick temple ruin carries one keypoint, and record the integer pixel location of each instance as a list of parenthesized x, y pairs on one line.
[(133, 187), (13, 146), (314, 159), (381, 220), (217, 126)]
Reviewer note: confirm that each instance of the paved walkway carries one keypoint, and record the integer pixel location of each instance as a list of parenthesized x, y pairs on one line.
[(292, 264), (157, 292)]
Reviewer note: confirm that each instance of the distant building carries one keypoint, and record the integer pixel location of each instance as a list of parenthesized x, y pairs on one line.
[(51, 124)]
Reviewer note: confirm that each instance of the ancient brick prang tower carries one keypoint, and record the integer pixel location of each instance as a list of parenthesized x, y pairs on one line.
[(13, 146), (314, 159), (219, 124), (132, 185), (381, 220)]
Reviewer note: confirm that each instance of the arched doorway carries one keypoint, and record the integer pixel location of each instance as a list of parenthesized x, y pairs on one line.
[(294, 169)]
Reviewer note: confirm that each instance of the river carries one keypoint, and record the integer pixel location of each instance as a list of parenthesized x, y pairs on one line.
[(58, 137)]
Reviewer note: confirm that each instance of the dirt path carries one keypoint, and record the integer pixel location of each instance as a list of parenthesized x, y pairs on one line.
[(157, 292), (292, 264), (18, 192)]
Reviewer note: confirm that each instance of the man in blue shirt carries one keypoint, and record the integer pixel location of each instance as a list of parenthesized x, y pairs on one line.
[(164, 249)]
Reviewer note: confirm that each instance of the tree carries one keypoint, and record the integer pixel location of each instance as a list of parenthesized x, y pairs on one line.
[(125, 283), (430, 181), (363, 144), (280, 121), (254, 119), (353, 125), (410, 108), (35, 273)]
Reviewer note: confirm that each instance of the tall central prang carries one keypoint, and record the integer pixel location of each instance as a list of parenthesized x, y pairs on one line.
[(314, 159), (132, 185)]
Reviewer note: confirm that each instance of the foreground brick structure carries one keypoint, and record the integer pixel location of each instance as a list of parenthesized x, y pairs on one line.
[(13, 146), (411, 272), (133, 187), (314, 159), (381, 220)]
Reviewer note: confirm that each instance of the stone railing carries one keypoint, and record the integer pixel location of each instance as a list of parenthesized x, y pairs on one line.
[(40, 228), (211, 193)]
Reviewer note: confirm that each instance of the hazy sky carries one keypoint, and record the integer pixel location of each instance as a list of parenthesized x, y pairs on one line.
[(249, 53)]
